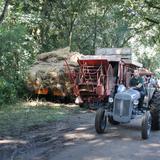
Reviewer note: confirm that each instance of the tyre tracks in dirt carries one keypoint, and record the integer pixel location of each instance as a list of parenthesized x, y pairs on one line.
[(43, 142)]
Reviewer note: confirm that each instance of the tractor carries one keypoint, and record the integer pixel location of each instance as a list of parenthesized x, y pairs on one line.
[(102, 82), (123, 107)]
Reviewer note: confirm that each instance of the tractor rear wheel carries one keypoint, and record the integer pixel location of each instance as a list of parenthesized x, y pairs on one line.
[(100, 120), (155, 110), (146, 125), (112, 121)]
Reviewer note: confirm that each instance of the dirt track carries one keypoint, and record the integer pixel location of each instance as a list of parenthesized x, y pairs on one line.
[(75, 138)]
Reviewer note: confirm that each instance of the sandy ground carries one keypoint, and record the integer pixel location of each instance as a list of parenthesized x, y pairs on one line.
[(76, 138)]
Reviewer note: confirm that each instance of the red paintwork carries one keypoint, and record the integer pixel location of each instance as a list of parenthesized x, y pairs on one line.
[(94, 81), (93, 62)]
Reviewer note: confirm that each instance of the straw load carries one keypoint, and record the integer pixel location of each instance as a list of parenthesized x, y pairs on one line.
[(49, 72)]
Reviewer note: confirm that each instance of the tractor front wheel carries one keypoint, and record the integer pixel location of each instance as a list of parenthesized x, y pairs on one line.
[(100, 120), (146, 125)]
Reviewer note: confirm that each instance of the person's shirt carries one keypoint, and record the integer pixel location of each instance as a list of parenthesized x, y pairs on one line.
[(152, 81), (135, 81)]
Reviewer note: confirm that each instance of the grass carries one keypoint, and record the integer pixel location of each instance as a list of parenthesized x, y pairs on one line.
[(18, 118)]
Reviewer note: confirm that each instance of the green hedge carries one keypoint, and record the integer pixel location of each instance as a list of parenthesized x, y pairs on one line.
[(8, 92)]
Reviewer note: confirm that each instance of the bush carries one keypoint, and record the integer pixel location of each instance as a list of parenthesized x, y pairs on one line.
[(17, 52), (7, 92)]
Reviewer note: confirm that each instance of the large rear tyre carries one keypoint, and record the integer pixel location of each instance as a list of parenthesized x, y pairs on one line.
[(146, 125), (155, 110), (100, 120), (112, 121)]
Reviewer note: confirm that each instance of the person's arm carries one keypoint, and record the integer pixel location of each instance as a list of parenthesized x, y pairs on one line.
[(140, 84)]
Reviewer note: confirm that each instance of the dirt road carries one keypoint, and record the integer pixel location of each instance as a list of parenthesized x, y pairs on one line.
[(75, 138)]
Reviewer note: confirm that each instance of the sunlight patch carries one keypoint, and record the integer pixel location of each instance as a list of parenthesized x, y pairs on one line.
[(7, 141)]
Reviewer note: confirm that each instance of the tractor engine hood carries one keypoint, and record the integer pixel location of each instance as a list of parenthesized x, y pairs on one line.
[(134, 94), (123, 105)]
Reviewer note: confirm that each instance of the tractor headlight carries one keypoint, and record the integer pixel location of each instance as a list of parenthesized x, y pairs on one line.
[(135, 102), (110, 100)]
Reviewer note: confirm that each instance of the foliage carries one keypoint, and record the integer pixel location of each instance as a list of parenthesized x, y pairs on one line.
[(28, 28), (16, 53), (7, 91), (143, 17)]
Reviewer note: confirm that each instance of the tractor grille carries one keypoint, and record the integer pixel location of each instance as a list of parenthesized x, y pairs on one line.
[(122, 107)]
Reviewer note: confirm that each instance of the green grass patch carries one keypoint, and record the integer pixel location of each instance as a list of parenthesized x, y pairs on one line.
[(23, 116)]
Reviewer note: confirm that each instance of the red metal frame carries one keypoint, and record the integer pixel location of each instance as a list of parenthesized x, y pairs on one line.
[(94, 80)]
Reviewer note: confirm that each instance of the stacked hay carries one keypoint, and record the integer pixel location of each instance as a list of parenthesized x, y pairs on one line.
[(49, 72)]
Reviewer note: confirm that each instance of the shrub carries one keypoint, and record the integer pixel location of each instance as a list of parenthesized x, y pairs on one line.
[(7, 91)]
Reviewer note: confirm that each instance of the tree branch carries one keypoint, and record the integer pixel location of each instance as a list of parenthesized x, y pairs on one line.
[(139, 30), (2, 16), (126, 40), (152, 20), (150, 4)]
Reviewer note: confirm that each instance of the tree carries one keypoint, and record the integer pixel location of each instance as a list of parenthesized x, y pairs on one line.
[(143, 19), (32, 27), (4, 10)]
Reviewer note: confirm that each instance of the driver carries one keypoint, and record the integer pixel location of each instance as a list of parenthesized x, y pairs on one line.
[(137, 82)]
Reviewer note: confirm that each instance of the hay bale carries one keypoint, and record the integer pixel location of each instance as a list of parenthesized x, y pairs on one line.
[(49, 71)]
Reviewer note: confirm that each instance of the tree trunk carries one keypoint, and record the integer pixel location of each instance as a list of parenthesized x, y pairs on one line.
[(73, 19), (70, 40), (95, 31), (2, 16)]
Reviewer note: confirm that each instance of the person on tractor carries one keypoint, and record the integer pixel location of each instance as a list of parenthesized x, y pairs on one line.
[(137, 83), (153, 81)]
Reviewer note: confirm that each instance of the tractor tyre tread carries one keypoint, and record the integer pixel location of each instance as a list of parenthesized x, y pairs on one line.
[(98, 120), (155, 110), (145, 120)]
